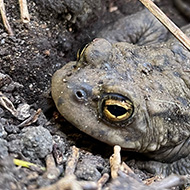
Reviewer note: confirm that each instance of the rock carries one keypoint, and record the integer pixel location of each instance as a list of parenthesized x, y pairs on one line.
[(37, 142), (3, 148), (4, 79), (89, 167), (3, 133), (23, 111)]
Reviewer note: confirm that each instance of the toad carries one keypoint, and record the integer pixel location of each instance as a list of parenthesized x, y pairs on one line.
[(135, 94)]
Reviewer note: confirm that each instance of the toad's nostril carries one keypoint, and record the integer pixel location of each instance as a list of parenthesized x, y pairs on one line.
[(80, 94)]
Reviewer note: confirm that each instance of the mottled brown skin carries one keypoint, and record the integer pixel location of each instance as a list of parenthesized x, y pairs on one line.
[(155, 78)]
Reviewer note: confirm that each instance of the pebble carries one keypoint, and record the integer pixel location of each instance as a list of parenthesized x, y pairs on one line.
[(37, 142), (3, 148), (3, 133), (23, 111)]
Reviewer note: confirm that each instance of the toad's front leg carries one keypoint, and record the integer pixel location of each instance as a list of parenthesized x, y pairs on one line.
[(181, 166)]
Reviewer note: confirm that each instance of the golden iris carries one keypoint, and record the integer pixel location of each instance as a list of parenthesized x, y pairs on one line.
[(117, 110)]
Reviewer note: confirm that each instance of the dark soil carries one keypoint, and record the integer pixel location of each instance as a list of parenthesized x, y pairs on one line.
[(28, 59)]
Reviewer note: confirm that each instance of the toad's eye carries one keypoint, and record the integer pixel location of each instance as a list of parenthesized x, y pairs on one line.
[(116, 108), (81, 51)]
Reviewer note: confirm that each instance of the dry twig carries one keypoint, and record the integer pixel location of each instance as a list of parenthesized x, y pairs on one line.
[(115, 161), (6, 103), (25, 17), (69, 181), (57, 154), (52, 172), (32, 119), (151, 180), (4, 18), (126, 169), (103, 180), (72, 161), (167, 23)]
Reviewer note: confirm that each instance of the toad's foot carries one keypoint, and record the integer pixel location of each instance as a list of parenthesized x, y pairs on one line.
[(181, 166)]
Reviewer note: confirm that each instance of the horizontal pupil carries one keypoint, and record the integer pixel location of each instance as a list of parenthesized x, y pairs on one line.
[(116, 110)]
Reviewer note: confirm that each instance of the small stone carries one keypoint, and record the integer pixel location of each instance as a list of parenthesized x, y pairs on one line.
[(3, 133), (3, 148), (4, 79), (89, 167), (41, 119), (2, 41), (2, 113), (11, 128), (11, 87), (3, 51), (15, 145), (37, 142), (23, 111)]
